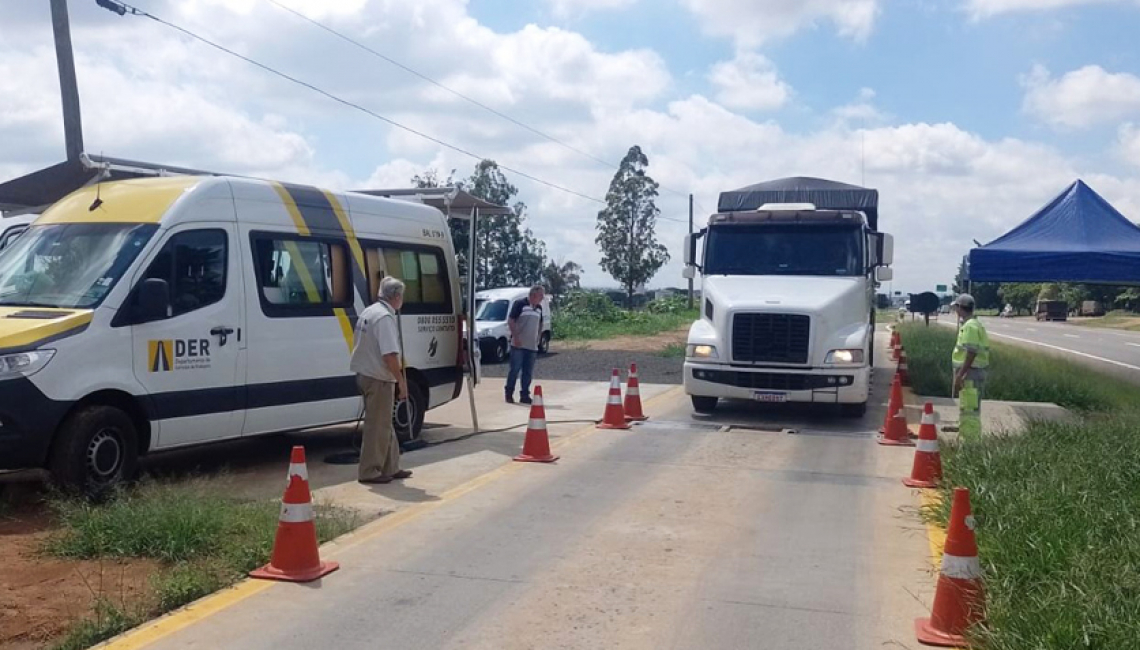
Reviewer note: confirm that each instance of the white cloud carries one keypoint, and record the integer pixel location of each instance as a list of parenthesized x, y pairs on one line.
[(749, 81), (1081, 98), (575, 8), (987, 8), (862, 112), (752, 22), (1128, 143)]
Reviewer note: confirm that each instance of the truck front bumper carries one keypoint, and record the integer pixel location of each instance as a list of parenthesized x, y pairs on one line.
[(830, 385)]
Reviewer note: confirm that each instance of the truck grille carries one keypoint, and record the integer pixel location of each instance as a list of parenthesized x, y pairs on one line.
[(770, 338)]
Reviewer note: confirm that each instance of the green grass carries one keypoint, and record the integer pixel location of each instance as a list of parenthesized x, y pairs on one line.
[(1058, 512), (1015, 374), (204, 539), (1120, 320), (673, 351), (583, 327)]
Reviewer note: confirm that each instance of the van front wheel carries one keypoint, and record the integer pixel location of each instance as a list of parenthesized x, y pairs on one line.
[(97, 448), (408, 420)]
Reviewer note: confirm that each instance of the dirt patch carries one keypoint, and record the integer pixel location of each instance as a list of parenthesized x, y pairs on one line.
[(654, 343), (41, 596)]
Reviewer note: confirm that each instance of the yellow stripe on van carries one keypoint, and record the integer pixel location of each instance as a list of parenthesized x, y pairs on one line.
[(140, 200), (345, 327), (298, 263), (291, 207), (346, 226), (25, 327)]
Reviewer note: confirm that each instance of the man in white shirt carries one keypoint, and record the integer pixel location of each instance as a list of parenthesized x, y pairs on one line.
[(376, 360)]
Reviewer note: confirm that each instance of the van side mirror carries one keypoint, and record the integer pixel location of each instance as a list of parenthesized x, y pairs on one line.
[(153, 301), (884, 274)]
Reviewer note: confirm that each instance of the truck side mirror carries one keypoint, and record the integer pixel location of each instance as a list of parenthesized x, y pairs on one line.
[(886, 249), (153, 301), (884, 274)]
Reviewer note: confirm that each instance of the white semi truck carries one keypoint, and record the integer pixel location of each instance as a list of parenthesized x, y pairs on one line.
[(788, 275)]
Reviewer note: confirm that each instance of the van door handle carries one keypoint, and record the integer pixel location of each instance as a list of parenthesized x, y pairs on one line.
[(222, 333)]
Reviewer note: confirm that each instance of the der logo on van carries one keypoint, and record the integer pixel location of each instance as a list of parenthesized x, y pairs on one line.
[(178, 354)]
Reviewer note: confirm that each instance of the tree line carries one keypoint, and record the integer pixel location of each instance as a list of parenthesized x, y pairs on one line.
[(508, 254), (1023, 296)]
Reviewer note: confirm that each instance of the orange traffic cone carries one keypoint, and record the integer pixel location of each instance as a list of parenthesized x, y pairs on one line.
[(902, 369), (894, 403), (614, 417), (959, 600), (633, 410), (536, 447), (927, 469), (296, 557), (896, 351), (897, 433), (894, 339)]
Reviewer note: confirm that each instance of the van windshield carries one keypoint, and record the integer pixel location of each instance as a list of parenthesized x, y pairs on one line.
[(493, 310), (69, 265), (784, 250)]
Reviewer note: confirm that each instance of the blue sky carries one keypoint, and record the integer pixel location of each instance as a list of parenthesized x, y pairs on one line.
[(971, 113)]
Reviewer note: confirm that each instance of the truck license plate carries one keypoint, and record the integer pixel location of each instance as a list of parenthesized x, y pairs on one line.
[(770, 396)]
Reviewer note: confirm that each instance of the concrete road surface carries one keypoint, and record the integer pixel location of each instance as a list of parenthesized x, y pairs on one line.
[(756, 528), (1113, 351)]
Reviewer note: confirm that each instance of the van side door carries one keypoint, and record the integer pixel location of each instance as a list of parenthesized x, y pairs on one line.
[(191, 361)]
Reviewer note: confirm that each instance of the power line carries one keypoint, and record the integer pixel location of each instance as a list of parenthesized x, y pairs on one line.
[(139, 12), (438, 84)]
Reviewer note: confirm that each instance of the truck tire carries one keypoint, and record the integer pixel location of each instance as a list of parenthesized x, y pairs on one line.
[(853, 410), (97, 448), (702, 404)]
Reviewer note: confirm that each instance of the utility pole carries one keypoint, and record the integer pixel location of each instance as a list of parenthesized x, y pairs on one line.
[(690, 234), (68, 87)]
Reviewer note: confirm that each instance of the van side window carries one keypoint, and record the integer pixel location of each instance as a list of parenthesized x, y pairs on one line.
[(296, 272), (423, 271), (193, 264)]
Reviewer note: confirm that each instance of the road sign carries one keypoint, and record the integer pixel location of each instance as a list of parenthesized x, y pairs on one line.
[(940, 288)]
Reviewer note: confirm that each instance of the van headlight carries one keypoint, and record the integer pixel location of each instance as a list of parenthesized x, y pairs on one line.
[(843, 357), (701, 351), (24, 364)]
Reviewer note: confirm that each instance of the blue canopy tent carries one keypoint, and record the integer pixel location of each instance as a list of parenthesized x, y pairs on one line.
[(1077, 237)]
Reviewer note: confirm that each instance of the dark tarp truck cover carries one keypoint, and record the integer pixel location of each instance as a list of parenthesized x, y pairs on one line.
[(1077, 237), (823, 194)]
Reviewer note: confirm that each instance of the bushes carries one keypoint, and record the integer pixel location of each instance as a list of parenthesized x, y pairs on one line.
[(587, 315)]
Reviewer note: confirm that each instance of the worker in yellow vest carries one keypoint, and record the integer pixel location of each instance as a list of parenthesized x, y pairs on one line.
[(971, 363)]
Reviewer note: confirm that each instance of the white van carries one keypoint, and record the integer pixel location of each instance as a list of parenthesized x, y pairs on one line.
[(492, 307), (149, 314), (12, 226)]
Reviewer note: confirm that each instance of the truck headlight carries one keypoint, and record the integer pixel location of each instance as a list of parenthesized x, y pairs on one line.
[(701, 351), (843, 357), (24, 364)]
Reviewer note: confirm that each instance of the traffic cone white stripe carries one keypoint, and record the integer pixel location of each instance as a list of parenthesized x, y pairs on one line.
[(928, 418), (296, 513), (926, 446), (633, 391), (537, 423), (536, 400), (297, 469), (961, 568)]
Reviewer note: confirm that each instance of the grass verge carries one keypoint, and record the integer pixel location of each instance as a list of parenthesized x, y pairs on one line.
[(1015, 374), (1117, 320), (673, 351), (1057, 505), (583, 327), (1058, 516), (204, 539)]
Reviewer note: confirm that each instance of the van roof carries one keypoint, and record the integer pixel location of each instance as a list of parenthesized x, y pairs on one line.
[(504, 293)]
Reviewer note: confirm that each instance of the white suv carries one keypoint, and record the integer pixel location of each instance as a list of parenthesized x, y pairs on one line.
[(492, 307)]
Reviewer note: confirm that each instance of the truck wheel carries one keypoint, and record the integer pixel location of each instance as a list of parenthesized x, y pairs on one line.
[(702, 404), (408, 420), (544, 343), (97, 448), (854, 410)]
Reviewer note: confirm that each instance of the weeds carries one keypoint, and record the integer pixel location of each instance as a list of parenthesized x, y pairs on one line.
[(586, 316), (108, 619), (673, 351)]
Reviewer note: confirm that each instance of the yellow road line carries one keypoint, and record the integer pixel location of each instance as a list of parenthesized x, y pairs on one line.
[(180, 619), (935, 535)]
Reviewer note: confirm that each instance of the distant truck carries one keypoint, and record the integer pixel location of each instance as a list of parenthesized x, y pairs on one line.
[(1092, 308), (1048, 310), (788, 311)]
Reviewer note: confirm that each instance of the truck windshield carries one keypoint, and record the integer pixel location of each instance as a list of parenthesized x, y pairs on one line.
[(493, 310), (766, 249), (69, 265)]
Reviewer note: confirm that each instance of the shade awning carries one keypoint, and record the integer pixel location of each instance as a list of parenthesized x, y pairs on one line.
[(452, 201)]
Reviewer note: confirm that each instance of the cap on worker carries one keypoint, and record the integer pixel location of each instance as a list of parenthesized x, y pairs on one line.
[(965, 301)]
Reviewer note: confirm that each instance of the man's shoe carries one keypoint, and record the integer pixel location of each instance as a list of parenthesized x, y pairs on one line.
[(525, 400), (510, 399), (379, 480), (402, 474)]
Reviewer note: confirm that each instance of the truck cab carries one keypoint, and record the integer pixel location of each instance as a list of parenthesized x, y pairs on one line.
[(787, 313)]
